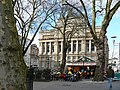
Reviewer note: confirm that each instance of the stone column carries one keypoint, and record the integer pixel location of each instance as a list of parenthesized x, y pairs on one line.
[(83, 47), (45, 47), (95, 48), (41, 48), (89, 46)]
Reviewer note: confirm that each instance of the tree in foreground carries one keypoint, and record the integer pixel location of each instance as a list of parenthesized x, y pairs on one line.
[(97, 8), (30, 16), (12, 67)]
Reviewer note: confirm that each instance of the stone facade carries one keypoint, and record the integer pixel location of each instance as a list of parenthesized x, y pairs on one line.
[(34, 58), (51, 44), (31, 56), (27, 54)]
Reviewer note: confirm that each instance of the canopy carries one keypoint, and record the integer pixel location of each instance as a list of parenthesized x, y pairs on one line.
[(85, 59)]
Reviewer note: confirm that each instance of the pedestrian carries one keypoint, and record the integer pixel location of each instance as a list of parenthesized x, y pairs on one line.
[(110, 76)]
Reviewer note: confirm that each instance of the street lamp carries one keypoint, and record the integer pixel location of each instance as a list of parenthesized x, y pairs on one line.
[(113, 45), (83, 60), (113, 48), (114, 37)]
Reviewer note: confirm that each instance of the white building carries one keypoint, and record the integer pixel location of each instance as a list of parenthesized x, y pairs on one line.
[(81, 44), (34, 58), (31, 56), (114, 63), (27, 54)]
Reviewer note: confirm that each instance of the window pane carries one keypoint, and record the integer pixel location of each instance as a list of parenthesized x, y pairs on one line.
[(74, 46), (92, 46), (48, 46), (87, 45), (69, 48), (52, 47), (59, 47), (74, 58), (79, 46), (69, 58), (43, 47)]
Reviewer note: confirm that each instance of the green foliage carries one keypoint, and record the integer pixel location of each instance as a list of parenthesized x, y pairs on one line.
[(42, 74)]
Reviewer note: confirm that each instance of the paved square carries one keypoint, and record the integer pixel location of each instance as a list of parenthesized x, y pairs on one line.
[(80, 85)]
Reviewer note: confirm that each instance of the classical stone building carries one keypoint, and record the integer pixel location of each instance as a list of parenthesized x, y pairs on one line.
[(31, 56), (34, 58), (81, 45), (27, 54)]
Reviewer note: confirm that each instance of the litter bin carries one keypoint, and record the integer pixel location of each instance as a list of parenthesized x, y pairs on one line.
[(29, 84), (29, 78)]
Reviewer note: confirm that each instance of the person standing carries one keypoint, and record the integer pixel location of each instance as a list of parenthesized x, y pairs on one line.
[(110, 76)]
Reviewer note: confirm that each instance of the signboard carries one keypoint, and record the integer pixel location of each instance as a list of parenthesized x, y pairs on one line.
[(81, 64)]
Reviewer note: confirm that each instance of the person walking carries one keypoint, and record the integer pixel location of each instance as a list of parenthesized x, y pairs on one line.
[(110, 76)]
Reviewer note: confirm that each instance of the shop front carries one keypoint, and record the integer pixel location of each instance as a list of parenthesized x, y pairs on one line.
[(80, 66), (83, 64)]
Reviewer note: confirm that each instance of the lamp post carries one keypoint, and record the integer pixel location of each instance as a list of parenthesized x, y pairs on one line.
[(119, 57), (118, 51), (59, 65), (83, 65), (83, 60), (113, 45), (30, 76)]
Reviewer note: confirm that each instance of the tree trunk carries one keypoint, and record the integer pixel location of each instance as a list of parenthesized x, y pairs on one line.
[(12, 66), (64, 49), (62, 67), (99, 72)]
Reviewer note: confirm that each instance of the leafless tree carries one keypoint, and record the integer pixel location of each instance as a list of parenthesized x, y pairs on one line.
[(67, 23), (107, 11), (30, 16)]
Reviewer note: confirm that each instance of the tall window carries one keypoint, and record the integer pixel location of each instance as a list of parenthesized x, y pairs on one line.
[(43, 47), (87, 45), (74, 46), (59, 58), (59, 47), (69, 58), (52, 47), (69, 48), (74, 58), (43, 62), (48, 47), (92, 46), (52, 64), (78, 57), (79, 46)]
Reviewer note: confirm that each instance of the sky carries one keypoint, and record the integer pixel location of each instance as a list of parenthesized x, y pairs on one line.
[(112, 30)]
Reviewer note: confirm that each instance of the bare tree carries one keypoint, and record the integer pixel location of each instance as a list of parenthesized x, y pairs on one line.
[(108, 11), (12, 67), (67, 23), (30, 16)]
